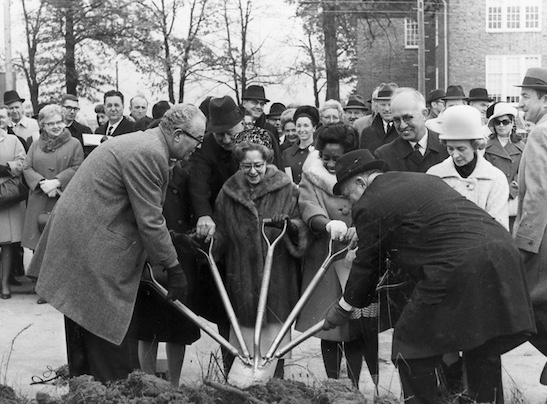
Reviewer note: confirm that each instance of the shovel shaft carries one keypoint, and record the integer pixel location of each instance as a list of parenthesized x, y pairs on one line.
[(226, 300), (301, 338), (303, 299)]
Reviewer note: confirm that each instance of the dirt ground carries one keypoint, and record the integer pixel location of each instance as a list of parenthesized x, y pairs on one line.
[(32, 344)]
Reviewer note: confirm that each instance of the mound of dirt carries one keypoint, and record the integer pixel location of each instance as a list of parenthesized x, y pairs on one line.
[(140, 388)]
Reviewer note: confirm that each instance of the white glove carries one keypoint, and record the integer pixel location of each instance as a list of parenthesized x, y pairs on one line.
[(49, 185), (337, 229)]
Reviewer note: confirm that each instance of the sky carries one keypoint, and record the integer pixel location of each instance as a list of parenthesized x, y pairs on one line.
[(274, 25)]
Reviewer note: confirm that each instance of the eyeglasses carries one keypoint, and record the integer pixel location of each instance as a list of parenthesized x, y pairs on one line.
[(74, 109), (52, 124), (250, 166), (503, 122), (405, 118), (200, 141)]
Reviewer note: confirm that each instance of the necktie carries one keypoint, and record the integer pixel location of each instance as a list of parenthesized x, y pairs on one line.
[(110, 130), (416, 154)]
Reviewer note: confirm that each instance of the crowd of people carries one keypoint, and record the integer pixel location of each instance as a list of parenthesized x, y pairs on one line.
[(443, 192)]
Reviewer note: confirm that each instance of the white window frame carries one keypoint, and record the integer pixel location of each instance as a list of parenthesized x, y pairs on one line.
[(522, 7), (499, 63), (411, 33)]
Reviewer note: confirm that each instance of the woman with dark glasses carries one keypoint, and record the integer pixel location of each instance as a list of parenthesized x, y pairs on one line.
[(504, 149)]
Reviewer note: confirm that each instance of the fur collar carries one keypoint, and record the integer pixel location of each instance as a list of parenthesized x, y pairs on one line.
[(50, 144), (314, 170), (238, 189)]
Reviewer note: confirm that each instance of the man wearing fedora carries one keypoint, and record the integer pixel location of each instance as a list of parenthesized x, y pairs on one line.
[(453, 252), (354, 109), (416, 147), (274, 118), (21, 125), (381, 131), (479, 99), (435, 103), (253, 101), (530, 228)]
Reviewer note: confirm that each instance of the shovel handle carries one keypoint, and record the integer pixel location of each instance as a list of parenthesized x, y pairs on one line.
[(301, 338)]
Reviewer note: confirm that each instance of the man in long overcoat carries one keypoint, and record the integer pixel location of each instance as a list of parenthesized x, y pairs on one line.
[(470, 294), (107, 222)]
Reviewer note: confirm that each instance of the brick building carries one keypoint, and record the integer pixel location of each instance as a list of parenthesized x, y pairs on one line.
[(480, 43)]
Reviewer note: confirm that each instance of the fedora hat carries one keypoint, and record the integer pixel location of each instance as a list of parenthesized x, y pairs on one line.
[(536, 78), (11, 97), (500, 109), (435, 95), (224, 114), (461, 122), (479, 94), (385, 91), (276, 109), (353, 163), (454, 93), (255, 92), (355, 102)]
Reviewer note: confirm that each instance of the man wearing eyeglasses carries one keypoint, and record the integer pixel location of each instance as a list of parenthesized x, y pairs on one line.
[(417, 148), (109, 220), (71, 106)]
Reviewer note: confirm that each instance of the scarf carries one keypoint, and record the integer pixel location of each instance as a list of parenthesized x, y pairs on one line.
[(49, 143), (466, 170)]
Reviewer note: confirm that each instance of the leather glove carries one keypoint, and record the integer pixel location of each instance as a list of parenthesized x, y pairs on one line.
[(337, 229), (279, 219), (177, 284), (335, 317)]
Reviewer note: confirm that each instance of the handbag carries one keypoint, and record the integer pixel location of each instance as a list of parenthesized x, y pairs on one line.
[(12, 192), (44, 216)]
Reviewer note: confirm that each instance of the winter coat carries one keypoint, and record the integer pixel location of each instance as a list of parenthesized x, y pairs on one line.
[(294, 158), (108, 220), (61, 164), (507, 159), (13, 217), (470, 279), (399, 155), (316, 198), (239, 211), (486, 186), (375, 136)]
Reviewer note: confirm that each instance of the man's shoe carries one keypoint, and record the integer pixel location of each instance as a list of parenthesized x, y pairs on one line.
[(13, 280), (41, 301)]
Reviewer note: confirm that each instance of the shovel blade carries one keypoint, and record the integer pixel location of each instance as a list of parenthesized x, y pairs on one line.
[(244, 375)]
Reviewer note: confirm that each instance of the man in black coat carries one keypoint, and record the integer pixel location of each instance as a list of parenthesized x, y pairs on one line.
[(470, 294), (71, 105), (416, 148), (381, 131), (117, 123)]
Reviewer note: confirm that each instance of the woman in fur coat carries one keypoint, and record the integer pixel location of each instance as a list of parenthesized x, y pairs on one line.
[(324, 213), (258, 191)]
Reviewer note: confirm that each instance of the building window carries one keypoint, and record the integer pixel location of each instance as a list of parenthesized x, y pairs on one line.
[(513, 15), (411, 33), (503, 72)]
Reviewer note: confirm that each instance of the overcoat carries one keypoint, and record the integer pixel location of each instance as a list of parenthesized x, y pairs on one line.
[(507, 159), (11, 218), (374, 136), (530, 228), (470, 278), (239, 211), (316, 198), (399, 155), (62, 164), (486, 186), (108, 220)]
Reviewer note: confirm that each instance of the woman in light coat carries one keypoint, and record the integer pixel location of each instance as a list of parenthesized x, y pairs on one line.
[(323, 212), (466, 170), (12, 158)]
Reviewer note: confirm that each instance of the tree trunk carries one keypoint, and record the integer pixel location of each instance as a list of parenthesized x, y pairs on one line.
[(70, 54), (331, 50)]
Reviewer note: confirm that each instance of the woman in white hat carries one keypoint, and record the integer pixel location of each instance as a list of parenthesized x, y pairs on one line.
[(504, 149), (466, 170)]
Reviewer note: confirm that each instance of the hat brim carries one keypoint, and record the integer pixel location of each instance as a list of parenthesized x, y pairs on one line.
[(255, 99), (376, 164), (454, 97), (227, 125), (355, 107), (534, 86), (480, 99), (12, 101)]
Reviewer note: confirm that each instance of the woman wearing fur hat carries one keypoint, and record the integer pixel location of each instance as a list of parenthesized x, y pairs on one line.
[(466, 170), (258, 191), (306, 119), (329, 216), (504, 149)]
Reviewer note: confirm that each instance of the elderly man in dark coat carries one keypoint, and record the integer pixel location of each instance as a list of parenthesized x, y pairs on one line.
[(381, 131), (107, 222), (470, 292), (416, 148)]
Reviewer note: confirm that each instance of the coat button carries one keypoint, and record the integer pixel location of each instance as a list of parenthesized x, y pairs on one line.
[(180, 222), (345, 211), (51, 168), (175, 191)]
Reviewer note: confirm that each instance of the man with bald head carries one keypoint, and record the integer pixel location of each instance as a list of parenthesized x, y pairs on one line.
[(417, 148)]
